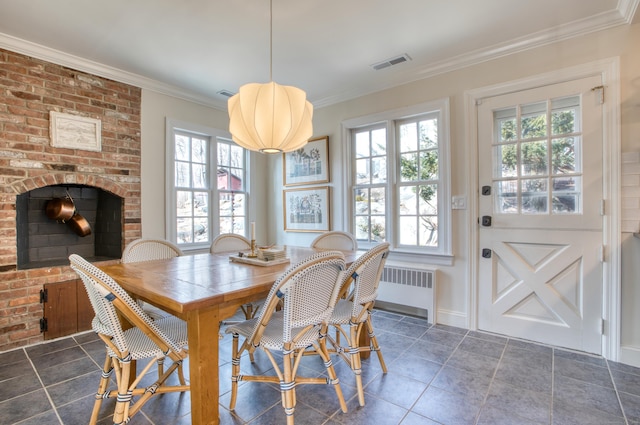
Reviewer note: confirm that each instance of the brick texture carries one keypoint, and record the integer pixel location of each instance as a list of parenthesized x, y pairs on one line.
[(29, 90)]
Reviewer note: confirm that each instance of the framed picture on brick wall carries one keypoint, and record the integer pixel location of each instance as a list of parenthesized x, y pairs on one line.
[(75, 132)]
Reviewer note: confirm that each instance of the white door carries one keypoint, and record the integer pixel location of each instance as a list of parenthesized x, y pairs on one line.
[(541, 207)]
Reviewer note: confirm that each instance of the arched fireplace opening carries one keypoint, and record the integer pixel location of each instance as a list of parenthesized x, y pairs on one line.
[(46, 242)]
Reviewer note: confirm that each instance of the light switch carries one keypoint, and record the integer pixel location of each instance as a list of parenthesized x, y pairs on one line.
[(459, 202)]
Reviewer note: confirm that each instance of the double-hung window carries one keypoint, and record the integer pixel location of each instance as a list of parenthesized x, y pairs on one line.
[(399, 181), (207, 177)]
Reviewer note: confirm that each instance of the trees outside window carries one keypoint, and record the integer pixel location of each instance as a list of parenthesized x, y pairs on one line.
[(399, 169), (208, 183)]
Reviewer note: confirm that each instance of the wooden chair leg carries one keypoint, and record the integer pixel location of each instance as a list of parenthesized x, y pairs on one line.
[(374, 344), (287, 387), (123, 370), (102, 388), (326, 357), (354, 357), (235, 372)]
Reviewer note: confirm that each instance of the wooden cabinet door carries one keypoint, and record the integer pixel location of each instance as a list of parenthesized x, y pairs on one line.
[(67, 309)]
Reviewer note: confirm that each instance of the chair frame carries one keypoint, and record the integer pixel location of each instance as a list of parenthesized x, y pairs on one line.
[(145, 249), (299, 331), (320, 240), (144, 338), (358, 294)]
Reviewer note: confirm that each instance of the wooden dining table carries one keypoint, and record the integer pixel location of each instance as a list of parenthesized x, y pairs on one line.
[(203, 290)]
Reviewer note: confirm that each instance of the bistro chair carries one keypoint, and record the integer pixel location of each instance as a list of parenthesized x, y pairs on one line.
[(335, 239), (308, 291), (143, 338), (230, 242), (141, 250), (359, 290)]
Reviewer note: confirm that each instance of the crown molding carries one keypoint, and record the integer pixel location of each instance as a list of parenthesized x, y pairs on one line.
[(623, 15), (75, 62)]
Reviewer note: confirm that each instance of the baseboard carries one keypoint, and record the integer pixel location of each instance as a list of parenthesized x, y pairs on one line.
[(452, 318), (630, 355), (403, 309)]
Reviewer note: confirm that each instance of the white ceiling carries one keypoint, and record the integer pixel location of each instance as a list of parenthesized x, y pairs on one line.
[(195, 48)]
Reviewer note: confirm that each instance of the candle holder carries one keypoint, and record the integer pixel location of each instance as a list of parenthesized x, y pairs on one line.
[(253, 254)]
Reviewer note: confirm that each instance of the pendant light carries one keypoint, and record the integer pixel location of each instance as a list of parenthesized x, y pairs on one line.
[(270, 118)]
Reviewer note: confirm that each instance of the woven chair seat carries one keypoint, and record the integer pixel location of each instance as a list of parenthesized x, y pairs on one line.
[(272, 337), (342, 314), (142, 347)]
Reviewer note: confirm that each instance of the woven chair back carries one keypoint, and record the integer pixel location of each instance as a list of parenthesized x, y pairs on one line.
[(336, 240), (107, 299), (366, 272), (229, 242), (308, 290), (148, 250)]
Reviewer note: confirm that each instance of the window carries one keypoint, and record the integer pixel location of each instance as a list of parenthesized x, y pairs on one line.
[(192, 188), (204, 203), (399, 183), (232, 197), (538, 169)]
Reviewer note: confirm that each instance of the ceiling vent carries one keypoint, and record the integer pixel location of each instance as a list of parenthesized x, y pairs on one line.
[(389, 62), (226, 93)]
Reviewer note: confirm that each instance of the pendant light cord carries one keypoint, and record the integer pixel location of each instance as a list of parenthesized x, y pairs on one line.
[(270, 40)]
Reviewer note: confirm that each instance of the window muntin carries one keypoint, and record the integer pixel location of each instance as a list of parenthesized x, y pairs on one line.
[(210, 195), (370, 190), (398, 190), (192, 191), (537, 157), (232, 195), (418, 184)]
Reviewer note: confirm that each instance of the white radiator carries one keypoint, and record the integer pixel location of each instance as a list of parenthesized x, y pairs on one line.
[(403, 287)]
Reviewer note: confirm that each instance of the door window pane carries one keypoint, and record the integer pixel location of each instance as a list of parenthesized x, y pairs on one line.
[(525, 170)]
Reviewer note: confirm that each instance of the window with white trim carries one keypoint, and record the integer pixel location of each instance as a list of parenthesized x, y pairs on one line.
[(232, 194), (203, 203), (399, 184)]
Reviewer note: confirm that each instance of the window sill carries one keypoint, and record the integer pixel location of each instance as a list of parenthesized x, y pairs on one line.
[(420, 258)]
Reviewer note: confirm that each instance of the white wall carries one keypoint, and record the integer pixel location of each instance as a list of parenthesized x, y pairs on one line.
[(155, 109), (454, 281)]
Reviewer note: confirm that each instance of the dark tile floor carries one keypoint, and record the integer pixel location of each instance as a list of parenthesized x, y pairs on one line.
[(437, 375)]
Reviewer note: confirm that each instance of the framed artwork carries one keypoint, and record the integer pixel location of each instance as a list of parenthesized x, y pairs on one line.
[(306, 210), (307, 165), (74, 132)]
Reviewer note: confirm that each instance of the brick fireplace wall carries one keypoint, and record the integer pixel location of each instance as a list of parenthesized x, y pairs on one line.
[(29, 90)]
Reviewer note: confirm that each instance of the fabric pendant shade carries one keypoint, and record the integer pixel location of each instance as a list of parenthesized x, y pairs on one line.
[(270, 118)]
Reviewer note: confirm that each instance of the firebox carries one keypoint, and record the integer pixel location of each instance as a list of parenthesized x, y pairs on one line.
[(46, 242)]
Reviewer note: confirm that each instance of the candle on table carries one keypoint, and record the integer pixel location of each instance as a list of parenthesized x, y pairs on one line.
[(253, 230)]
